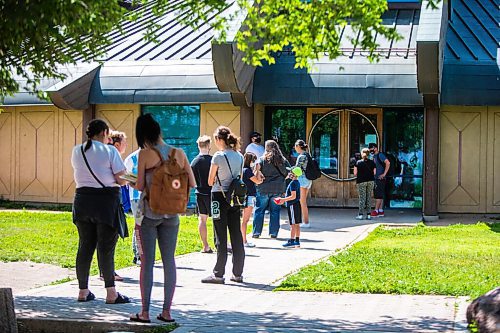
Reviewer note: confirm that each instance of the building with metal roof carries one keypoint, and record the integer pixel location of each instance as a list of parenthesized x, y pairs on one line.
[(432, 101)]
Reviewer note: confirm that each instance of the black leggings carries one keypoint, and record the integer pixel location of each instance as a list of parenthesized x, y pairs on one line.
[(92, 236), (226, 217)]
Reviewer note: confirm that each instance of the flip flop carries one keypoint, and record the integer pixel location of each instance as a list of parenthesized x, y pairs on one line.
[(121, 299), (90, 297), (138, 319), (160, 317), (207, 251)]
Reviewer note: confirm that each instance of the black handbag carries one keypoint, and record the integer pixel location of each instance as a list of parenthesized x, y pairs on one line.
[(120, 219)]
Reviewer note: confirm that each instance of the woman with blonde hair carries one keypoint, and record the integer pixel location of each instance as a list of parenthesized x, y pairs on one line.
[(273, 167), (364, 170), (227, 164)]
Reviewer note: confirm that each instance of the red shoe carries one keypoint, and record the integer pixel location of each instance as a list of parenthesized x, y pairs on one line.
[(381, 214), (374, 213)]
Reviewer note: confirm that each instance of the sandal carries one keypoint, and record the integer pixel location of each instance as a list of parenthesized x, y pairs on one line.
[(121, 299), (207, 251), (90, 297), (160, 317), (138, 319)]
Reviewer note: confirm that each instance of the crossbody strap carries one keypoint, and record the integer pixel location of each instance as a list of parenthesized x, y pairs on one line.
[(88, 166)]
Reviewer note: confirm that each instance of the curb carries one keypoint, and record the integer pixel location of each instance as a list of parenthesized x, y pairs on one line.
[(36, 325)]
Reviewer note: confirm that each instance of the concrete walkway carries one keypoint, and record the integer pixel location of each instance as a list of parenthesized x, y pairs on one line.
[(253, 306)]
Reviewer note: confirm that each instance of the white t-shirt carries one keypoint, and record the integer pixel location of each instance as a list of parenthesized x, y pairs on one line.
[(132, 162), (258, 150), (104, 160)]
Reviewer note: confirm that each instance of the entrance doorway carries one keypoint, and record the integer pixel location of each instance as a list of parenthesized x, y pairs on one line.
[(336, 138)]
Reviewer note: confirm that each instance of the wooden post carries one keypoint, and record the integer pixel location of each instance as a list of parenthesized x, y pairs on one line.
[(88, 115), (246, 125), (431, 159), (8, 323)]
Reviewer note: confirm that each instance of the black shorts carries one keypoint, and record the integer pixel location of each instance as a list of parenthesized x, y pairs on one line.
[(203, 204), (379, 189), (294, 213)]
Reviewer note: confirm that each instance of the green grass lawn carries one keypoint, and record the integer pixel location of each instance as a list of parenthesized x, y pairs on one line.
[(455, 260), (52, 238)]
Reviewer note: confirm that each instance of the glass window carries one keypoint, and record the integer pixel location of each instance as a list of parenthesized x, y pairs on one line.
[(362, 132), (404, 138), (287, 126), (180, 126), (325, 142)]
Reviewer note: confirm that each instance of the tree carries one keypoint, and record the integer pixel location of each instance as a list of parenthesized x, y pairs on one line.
[(38, 36)]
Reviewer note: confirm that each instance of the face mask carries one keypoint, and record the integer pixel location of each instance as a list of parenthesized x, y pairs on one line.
[(257, 140)]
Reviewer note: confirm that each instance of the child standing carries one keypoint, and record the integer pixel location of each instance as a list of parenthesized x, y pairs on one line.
[(292, 201), (250, 179)]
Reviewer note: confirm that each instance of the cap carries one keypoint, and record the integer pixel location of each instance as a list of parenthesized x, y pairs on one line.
[(254, 134), (295, 170), (372, 145)]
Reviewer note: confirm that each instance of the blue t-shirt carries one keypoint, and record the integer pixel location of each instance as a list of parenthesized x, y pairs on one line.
[(293, 186), (380, 166), (251, 189)]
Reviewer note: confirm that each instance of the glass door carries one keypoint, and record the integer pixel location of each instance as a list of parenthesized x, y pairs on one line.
[(336, 138)]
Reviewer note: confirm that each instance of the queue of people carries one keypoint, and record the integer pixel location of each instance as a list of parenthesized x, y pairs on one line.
[(269, 180)]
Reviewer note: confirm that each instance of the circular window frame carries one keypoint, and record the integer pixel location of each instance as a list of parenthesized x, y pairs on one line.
[(337, 111)]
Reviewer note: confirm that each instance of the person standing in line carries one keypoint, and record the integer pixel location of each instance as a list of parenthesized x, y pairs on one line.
[(365, 170), (305, 184), (273, 167), (97, 169), (250, 179), (382, 165), (227, 165), (161, 227), (293, 207), (132, 163), (255, 146), (201, 167)]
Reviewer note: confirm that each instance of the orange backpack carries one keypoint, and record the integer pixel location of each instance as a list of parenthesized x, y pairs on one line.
[(169, 189)]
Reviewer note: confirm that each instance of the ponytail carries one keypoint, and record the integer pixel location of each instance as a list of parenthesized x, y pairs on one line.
[(230, 139), (95, 127), (302, 144)]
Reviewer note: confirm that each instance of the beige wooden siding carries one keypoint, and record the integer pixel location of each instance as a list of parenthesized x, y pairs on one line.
[(7, 142), (466, 164), (35, 145), (493, 183), (121, 117), (214, 115)]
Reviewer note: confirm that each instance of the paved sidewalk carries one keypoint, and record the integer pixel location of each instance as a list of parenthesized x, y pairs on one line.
[(252, 306)]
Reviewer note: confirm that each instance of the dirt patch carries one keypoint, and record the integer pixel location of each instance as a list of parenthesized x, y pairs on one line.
[(25, 275)]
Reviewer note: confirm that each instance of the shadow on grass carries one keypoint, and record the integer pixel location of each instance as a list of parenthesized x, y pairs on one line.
[(219, 320)]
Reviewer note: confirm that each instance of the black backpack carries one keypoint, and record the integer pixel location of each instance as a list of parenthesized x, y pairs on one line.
[(395, 167), (237, 192), (312, 170)]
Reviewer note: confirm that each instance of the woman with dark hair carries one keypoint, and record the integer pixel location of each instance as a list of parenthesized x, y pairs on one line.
[(273, 167), (227, 164), (305, 184), (161, 227), (97, 170), (250, 180)]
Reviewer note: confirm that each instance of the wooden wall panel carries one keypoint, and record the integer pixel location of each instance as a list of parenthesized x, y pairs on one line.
[(121, 117), (462, 162), (37, 154), (493, 202), (7, 151), (71, 130), (214, 115)]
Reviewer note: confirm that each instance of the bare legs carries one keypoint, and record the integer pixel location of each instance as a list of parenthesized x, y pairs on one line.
[(247, 212), (303, 205), (202, 229)]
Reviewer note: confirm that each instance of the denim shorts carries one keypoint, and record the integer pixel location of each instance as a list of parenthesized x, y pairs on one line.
[(251, 201), (304, 182)]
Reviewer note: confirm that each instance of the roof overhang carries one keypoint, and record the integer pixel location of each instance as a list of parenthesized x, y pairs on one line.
[(430, 48)]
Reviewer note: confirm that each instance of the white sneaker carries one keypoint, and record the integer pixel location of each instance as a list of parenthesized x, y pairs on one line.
[(305, 225), (368, 217), (247, 244), (360, 217)]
